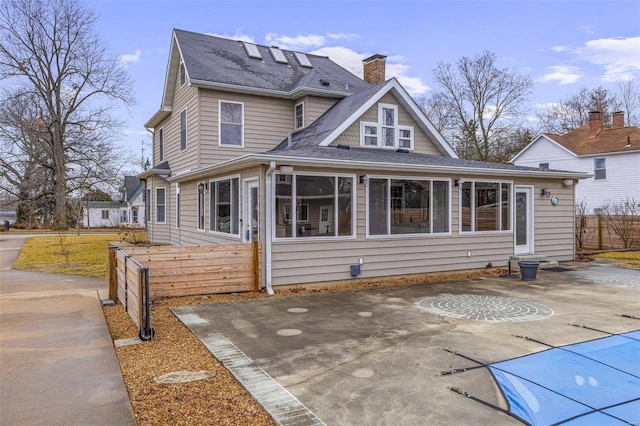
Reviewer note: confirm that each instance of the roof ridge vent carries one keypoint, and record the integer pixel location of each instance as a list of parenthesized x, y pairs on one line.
[(342, 146), (404, 151)]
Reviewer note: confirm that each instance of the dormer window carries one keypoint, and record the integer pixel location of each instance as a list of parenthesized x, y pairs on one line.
[(386, 133), (299, 115)]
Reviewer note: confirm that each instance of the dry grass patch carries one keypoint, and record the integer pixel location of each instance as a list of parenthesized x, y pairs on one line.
[(631, 259), (83, 255)]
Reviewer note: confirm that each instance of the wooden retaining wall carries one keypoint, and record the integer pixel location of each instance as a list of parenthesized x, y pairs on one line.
[(126, 279), (193, 270)]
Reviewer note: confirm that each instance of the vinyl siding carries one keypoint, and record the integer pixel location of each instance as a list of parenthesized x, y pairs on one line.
[(299, 262), (623, 174), (421, 142), (267, 122), (314, 107)]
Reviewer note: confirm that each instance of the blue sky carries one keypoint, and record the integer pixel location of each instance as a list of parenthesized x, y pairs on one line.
[(563, 45)]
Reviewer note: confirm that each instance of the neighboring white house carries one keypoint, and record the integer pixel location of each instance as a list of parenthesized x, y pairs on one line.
[(128, 211), (610, 154)]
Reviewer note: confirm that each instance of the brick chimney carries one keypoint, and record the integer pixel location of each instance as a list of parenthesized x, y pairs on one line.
[(595, 124), (374, 67), (618, 120)]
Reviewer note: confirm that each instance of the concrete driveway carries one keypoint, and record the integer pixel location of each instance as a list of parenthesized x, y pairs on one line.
[(57, 362), (375, 356)]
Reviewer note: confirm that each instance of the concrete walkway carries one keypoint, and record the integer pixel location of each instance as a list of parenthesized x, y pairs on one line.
[(57, 362)]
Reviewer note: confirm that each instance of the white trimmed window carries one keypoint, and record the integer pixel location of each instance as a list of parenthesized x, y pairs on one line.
[(386, 133), (161, 144), (224, 206), (183, 74), (407, 206), (314, 206), (177, 206), (299, 115), (105, 214), (200, 188), (485, 206), (231, 119), (600, 169), (161, 206), (183, 129)]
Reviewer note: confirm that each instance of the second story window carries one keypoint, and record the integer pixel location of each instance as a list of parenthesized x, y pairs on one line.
[(231, 118), (299, 112), (599, 169), (161, 144), (387, 132), (183, 129), (183, 74)]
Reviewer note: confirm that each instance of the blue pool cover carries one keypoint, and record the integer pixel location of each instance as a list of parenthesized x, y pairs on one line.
[(589, 383)]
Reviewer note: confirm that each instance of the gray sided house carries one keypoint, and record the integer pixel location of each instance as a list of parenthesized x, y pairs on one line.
[(325, 171)]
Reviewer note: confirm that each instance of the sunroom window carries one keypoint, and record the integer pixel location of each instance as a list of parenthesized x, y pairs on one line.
[(224, 206), (312, 206), (485, 206), (407, 206)]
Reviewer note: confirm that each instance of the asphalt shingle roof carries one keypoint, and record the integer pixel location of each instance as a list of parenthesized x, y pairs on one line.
[(608, 140), (385, 156), (220, 60)]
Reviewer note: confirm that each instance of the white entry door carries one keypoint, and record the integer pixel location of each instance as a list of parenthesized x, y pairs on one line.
[(251, 208), (524, 220)]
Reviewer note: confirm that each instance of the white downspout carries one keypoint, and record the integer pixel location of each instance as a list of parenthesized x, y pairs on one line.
[(269, 224)]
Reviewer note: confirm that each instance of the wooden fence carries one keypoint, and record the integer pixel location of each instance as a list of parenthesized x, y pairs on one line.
[(192, 270), (596, 235)]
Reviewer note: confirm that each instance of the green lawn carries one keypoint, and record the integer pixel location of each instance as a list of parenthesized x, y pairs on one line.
[(83, 255)]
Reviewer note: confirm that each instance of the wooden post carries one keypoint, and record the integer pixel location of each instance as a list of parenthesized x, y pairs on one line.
[(256, 267), (599, 232), (113, 276)]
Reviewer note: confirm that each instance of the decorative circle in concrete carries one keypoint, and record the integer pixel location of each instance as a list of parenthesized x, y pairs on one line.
[(289, 332), (363, 373), (297, 310), (485, 308), (622, 281), (365, 314)]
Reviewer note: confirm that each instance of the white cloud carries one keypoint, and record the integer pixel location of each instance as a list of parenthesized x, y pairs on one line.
[(618, 56), (559, 48), (299, 42), (343, 56), (343, 36), (562, 74), (127, 58), (545, 106), (414, 85)]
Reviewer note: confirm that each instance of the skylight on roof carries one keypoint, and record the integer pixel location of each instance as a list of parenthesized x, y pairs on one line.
[(302, 59), (278, 55), (252, 50)]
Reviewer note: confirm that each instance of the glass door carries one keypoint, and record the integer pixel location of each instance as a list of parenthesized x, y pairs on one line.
[(251, 216), (524, 220)]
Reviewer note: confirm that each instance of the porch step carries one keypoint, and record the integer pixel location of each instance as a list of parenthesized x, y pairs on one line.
[(544, 263)]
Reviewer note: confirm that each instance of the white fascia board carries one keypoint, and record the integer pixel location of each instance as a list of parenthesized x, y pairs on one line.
[(294, 94), (407, 102), (602, 154), (169, 83), (255, 159), (160, 115)]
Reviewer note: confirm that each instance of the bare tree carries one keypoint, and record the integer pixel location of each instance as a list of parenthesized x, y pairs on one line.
[(52, 59), (480, 105), (621, 217), (581, 223), (573, 112)]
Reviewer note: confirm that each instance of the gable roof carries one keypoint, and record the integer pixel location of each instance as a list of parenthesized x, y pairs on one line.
[(608, 141), (325, 129), (133, 186)]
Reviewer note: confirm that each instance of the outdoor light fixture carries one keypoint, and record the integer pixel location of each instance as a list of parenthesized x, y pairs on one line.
[(287, 170), (458, 182), (568, 182), (544, 192), (364, 179), (202, 186)]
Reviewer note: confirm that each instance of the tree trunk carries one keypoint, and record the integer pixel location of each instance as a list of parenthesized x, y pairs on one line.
[(60, 180)]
